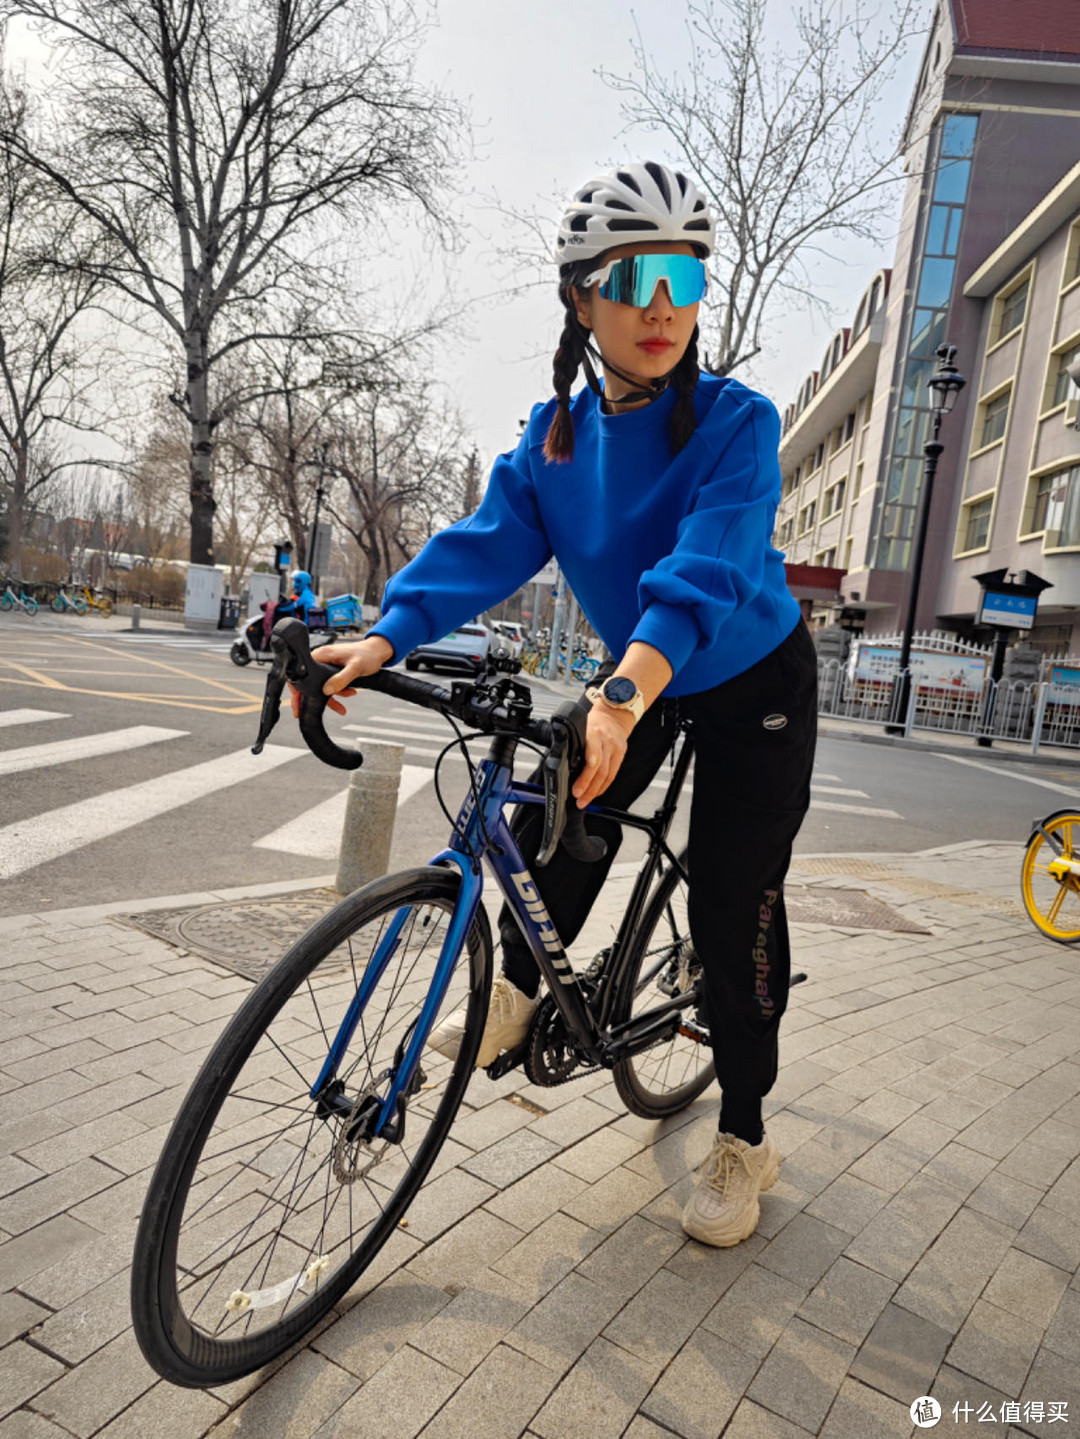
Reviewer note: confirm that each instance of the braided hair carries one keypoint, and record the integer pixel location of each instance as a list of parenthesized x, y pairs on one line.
[(569, 353)]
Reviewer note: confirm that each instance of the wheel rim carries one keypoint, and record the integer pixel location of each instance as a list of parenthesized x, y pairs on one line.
[(1053, 900), (270, 1214), (668, 966)]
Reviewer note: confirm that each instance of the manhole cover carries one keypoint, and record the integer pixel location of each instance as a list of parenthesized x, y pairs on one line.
[(247, 937), (844, 909)]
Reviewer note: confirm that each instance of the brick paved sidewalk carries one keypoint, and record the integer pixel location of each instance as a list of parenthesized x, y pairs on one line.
[(923, 1239)]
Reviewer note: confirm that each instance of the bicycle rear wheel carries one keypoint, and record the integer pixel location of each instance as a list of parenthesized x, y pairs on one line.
[(1052, 896), (262, 1212), (662, 966)]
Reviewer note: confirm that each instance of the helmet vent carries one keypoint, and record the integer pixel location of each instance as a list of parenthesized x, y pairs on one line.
[(680, 180), (702, 224), (619, 205), (579, 222), (635, 224), (629, 181), (657, 172)]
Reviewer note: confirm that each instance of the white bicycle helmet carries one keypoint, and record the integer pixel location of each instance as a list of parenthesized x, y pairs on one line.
[(640, 201)]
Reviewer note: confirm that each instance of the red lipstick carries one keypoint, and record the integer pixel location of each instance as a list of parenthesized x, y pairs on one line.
[(654, 347)]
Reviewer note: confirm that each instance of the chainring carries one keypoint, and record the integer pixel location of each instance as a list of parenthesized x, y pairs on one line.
[(550, 1057)]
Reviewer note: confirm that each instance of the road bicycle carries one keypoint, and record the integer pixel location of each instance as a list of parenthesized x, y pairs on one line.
[(1050, 876), (319, 1112), (92, 601), (62, 602), (22, 602)]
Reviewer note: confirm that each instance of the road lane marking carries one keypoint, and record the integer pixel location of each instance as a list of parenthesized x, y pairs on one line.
[(816, 804), (185, 704), (30, 842), (820, 774), (316, 834), (1066, 786), (828, 789), (100, 648), (64, 751), (14, 717)]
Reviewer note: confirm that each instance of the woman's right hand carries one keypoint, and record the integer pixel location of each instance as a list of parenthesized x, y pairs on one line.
[(356, 660)]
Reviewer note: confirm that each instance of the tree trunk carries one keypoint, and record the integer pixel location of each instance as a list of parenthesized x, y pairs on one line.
[(201, 489), (16, 514)]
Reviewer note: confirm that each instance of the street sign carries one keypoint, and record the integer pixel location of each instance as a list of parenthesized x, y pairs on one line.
[(1007, 611), (317, 555), (549, 575)]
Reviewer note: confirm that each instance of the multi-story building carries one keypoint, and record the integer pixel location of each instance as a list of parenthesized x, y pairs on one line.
[(986, 258)]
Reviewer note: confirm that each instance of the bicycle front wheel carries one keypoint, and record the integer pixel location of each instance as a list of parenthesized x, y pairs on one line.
[(105, 606), (265, 1206), (662, 966), (1050, 889)]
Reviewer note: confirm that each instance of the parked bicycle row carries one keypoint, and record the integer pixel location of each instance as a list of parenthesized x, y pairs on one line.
[(63, 599)]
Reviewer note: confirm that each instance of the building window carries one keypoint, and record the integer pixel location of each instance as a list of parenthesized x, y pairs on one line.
[(856, 489), (977, 529), (847, 551), (1013, 308), (1072, 259), (827, 558), (849, 427), (1062, 522), (1043, 487), (1063, 386), (786, 532), (806, 518), (819, 455), (994, 418), (834, 498)]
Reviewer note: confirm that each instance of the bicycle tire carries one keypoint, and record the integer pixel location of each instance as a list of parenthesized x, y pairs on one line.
[(184, 1324), (105, 606), (80, 606), (1044, 896), (644, 1081), (58, 605), (29, 604)]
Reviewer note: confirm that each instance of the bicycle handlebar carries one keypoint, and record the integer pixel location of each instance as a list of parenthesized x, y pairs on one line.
[(503, 707)]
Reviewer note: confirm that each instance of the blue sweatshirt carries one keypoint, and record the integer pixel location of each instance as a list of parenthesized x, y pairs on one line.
[(673, 551)]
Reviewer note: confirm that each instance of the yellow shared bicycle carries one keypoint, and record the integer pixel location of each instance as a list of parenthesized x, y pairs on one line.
[(1050, 876), (95, 602)]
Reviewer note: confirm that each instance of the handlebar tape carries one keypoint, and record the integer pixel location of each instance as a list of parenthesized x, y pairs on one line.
[(293, 663)]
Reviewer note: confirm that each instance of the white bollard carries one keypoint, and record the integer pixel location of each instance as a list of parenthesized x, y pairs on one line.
[(370, 811), (136, 616)]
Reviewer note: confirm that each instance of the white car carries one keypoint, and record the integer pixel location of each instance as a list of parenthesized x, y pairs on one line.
[(513, 633)]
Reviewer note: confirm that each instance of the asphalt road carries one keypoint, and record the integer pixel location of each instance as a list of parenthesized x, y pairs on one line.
[(130, 777)]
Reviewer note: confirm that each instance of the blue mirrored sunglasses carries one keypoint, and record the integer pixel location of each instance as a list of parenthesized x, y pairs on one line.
[(633, 280)]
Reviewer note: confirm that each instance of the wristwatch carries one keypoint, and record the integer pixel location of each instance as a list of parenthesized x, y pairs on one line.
[(619, 693)]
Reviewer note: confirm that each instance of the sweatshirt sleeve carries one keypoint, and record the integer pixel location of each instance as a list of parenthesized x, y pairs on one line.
[(718, 562), (472, 565)]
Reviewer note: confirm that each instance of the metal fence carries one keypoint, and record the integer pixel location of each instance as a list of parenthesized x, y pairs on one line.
[(1011, 710)]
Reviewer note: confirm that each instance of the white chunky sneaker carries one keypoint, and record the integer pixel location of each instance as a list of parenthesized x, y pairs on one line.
[(508, 1018), (723, 1209)]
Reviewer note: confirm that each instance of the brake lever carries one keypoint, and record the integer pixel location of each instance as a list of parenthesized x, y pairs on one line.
[(292, 663), (564, 822)]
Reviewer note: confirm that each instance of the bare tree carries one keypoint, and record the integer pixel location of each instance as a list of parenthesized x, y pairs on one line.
[(213, 144), (400, 460), (787, 141), (44, 378)]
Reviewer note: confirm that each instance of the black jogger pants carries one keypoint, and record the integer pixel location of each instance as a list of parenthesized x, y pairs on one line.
[(754, 741)]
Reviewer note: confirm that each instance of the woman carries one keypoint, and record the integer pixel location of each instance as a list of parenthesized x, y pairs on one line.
[(656, 491)]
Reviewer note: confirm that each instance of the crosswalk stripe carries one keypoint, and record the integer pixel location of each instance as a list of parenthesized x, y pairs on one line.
[(820, 774), (390, 730), (316, 834), (63, 751), (816, 804), (828, 789), (30, 842), (14, 717), (363, 734)]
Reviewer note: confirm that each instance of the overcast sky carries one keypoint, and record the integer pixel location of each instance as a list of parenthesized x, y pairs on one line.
[(544, 122)]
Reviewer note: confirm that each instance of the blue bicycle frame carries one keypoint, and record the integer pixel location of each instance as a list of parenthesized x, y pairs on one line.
[(481, 831)]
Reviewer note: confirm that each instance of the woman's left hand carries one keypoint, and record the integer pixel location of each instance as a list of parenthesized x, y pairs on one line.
[(606, 735)]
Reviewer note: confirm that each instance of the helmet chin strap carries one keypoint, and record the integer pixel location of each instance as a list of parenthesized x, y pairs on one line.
[(656, 387)]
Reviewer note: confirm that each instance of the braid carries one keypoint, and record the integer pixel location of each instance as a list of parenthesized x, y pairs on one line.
[(684, 377), (559, 444)]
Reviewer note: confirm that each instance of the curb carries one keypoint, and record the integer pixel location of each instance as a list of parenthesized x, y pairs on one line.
[(1008, 756)]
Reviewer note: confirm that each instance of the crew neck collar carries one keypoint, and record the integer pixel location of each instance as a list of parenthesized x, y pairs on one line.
[(658, 412)]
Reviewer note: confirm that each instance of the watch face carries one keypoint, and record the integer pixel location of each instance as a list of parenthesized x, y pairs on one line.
[(619, 690)]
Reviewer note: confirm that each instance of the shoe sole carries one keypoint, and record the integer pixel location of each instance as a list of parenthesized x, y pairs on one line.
[(729, 1238)]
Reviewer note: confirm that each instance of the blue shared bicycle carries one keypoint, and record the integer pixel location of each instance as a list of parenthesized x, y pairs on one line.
[(319, 1112)]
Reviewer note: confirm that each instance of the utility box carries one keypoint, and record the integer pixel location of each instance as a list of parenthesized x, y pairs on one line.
[(262, 587), (202, 597)]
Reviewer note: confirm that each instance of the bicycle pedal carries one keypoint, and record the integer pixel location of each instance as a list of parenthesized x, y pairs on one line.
[(508, 1060)]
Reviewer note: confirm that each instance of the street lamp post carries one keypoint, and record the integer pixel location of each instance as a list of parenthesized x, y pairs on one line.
[(944, 385), (321, 463)]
